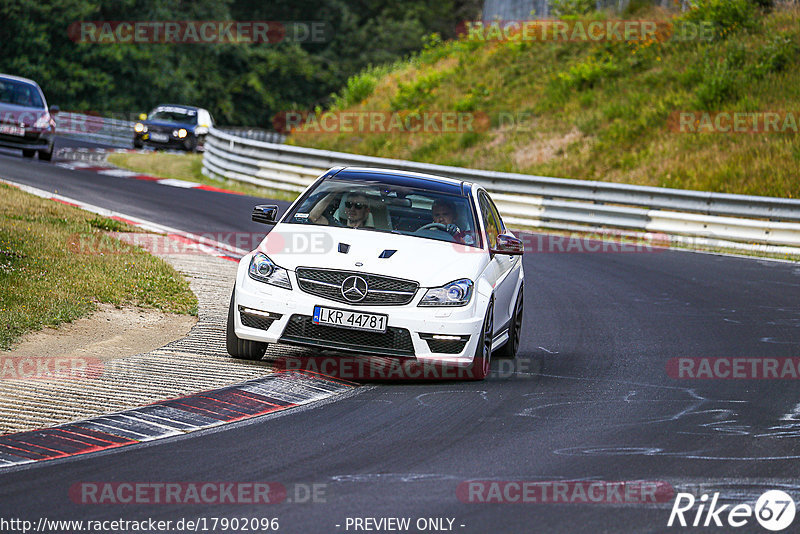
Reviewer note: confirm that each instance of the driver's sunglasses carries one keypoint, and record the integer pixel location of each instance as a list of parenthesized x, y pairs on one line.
[(356, 205)]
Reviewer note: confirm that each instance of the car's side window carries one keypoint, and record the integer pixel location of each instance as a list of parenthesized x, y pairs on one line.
[(500, 226), (490, 220)]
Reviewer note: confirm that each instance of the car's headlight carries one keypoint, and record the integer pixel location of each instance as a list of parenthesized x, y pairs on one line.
[(182, 133), (264, 269), (42, 122), (455, 293), (139, 127)]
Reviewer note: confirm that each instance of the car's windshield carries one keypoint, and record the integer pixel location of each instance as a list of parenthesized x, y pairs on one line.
[(20, 94), (384, 207), (174, 114)]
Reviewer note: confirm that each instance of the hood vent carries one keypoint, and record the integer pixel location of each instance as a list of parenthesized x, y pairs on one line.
[(387, 253), (344, 248)]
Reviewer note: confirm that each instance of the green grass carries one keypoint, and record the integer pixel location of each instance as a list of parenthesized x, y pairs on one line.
[(188, 167), (48, 278), (600, 111)]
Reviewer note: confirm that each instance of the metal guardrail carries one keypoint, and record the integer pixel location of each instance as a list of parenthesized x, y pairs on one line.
[(256, 134), (530, 200), (104, 130)]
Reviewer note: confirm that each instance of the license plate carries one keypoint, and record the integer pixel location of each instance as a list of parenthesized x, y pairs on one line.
[(371, 322), (12, 130), (159, 137)]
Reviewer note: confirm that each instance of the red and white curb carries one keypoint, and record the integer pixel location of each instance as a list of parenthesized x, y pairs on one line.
[(187, 239), (116, 172), (273, 393)]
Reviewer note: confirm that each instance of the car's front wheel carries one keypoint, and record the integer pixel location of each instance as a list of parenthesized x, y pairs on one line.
[(482, 361), (46, 155), (509, 350), (243, 349), (28, 153)]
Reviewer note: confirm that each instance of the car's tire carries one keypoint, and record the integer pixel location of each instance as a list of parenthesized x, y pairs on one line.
[(190, 144), (46, 155), (509, 350), (137, 143), (482, 361), (243, 349), (26, 153)]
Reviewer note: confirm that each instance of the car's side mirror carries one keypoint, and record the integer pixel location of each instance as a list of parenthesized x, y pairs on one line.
[(265, 214), (142, 116), (508, 244), (54, 110)]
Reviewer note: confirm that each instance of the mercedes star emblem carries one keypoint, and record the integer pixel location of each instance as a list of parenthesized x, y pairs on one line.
[(354, 288)]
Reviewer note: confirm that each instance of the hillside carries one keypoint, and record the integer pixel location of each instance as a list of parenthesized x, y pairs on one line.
[(607, 110)]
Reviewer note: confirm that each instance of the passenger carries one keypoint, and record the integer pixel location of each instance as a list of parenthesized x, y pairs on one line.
[(354, 211)]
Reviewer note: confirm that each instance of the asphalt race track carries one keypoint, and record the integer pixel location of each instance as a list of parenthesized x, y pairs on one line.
[(589, 398)]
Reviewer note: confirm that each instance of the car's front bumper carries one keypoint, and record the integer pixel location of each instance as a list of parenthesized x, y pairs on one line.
[(172, 142), (289, 308), (32, 140)]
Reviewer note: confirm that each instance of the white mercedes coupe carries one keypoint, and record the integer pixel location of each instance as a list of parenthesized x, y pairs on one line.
[(383, 262)]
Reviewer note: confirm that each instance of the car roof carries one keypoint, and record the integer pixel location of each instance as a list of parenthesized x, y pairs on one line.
[(18, 79), (176, 106), (404, 179)]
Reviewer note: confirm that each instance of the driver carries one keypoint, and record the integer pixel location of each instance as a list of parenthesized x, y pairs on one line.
[(444, 212)]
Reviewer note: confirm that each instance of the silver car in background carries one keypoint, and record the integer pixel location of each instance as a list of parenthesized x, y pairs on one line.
[(26, 123)]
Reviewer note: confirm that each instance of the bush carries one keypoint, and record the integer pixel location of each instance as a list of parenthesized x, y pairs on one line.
[(433, 49), (636, 6), (562, 8), (764, 5), (588, 73), (775, 56), (358, 88), (412, 95), (726, 16), (719, 84), (467, 103)]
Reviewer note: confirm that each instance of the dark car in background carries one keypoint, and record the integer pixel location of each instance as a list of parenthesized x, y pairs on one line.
[(173, 126), (25, 121)]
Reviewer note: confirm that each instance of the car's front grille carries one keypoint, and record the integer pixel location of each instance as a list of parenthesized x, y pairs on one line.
[(382, 290), (394, 342)]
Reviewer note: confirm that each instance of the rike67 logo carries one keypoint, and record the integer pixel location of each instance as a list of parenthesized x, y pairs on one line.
[(774, 511)]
